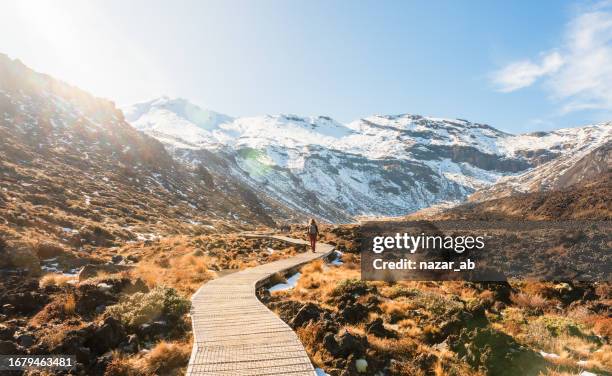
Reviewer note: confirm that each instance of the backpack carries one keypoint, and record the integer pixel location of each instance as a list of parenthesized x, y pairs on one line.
[(312, 230)]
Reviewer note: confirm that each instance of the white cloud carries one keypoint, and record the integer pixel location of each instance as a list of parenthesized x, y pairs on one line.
[(524, 73), (578, 74)]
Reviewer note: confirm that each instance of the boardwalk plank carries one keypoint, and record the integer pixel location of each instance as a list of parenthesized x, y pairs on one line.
[(236, 335)]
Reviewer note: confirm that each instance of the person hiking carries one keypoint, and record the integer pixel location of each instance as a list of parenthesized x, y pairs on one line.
[(313, 232)]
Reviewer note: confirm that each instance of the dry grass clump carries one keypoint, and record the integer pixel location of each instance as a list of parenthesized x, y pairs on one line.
[(277, 278), (69, 305), (603, 326), (61, 308), (167, 358), (55, 279), (186, 273), (528, 301), (313, 267)]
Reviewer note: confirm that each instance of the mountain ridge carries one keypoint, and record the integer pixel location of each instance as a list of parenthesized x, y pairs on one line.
[(377, 165)]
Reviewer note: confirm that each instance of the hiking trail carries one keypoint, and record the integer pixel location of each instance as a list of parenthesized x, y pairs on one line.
[(236, 334)]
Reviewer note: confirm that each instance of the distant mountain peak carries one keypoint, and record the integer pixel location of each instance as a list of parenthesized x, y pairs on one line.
[(175, 117)]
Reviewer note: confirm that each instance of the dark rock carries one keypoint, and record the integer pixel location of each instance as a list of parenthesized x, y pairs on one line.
[(108, 336), (88, 271), (131, 345), (73, 343), (330, 343), (373, 304), (308, 312), (116, 259), (133, 258), (89, 296), (354, 313), (349, 343), (100, 364), (264, 295), (286, 309), (153, 329), (25, 339), (24, 302), (9, 347), (377, 328), (91, 270), (6, 332)]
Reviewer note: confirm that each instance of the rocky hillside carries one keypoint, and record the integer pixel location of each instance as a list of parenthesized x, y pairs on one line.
[(583, 155), (377, 166), (586, 200), (72, 169)]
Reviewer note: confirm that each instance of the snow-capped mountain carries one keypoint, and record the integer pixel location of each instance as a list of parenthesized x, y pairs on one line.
[(569, 156), (379, 165)]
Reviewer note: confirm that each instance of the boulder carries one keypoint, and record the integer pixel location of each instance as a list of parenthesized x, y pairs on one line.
[(46, 250), (377, 328), (107, 336), (87, 271), (154, 329), (73, 343), (89, 296), (6, 332), (354, 313), (330, 344), (9, 347), (8, 309), (25, 339), (131, 344), (349, 343), (308, 312), (286, 309), (24, 302)]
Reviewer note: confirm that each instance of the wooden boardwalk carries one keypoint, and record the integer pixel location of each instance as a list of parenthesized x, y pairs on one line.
[(235, 334)]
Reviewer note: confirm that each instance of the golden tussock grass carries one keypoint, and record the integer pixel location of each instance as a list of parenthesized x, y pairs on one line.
[(185, 273), (315, 266), (70, 305), (54, 279), (529, 301), (167, 358)]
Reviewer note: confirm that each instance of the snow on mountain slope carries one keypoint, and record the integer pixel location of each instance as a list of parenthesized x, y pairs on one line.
[(175, 119), (571, 155), (379, 165)]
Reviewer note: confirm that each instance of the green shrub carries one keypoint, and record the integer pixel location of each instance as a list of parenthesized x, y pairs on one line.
[(558, 325), (141, 308), (437, 304), (402, 291), (350, 286)]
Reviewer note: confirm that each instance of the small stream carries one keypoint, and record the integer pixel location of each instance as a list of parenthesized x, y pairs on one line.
[(294, 278)]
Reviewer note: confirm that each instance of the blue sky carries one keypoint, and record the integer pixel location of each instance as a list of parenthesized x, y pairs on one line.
[(519, 66)]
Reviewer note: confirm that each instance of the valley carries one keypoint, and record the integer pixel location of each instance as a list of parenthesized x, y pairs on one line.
[(112, 219)]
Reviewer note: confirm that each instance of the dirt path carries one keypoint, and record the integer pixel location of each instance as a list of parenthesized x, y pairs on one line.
[(235, 334)]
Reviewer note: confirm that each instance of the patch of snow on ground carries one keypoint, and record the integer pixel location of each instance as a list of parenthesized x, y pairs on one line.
[(291, 282)]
